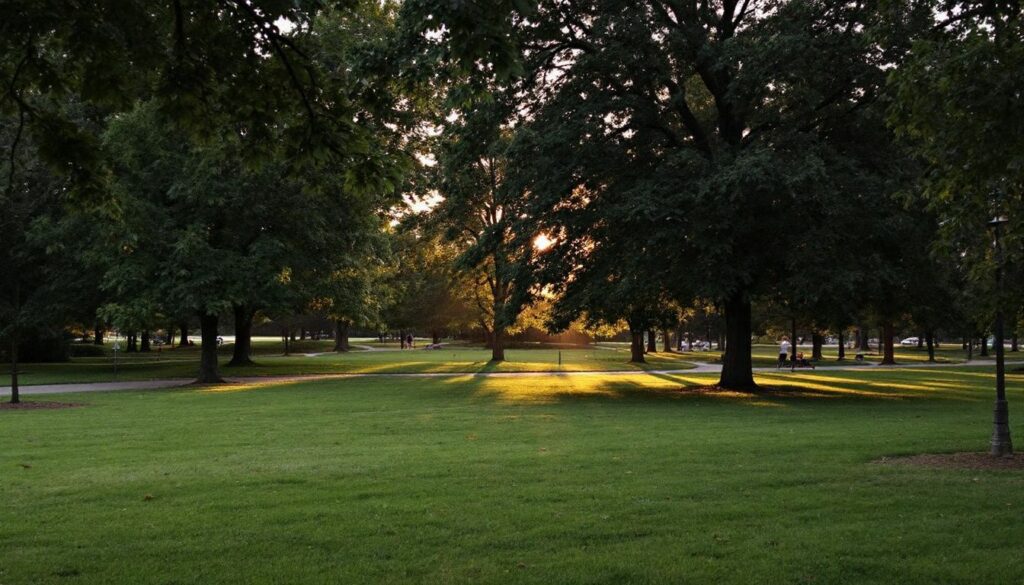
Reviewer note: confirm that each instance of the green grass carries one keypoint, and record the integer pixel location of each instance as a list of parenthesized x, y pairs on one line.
[(540, 479), (768, 355), (182, 363)]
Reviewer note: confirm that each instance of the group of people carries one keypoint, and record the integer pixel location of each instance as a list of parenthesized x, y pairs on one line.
[(788, 353)]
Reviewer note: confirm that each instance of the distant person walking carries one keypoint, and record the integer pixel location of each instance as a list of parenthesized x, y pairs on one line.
[(784, 349), (408, 341)]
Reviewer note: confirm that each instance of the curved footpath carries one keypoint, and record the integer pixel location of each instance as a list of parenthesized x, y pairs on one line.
[(702, 368)]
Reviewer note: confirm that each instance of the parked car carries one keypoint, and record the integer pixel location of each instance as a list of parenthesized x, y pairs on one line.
[(910, 341)]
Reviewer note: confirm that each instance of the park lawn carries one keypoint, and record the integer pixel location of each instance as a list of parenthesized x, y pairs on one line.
[(768, 355), (537, 479), (168, 365)]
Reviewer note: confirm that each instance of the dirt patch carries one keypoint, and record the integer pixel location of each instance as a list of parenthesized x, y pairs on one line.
[(760, 391), (957, 461), (38, 405)]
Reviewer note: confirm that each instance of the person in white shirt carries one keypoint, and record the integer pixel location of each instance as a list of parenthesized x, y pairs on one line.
[(783, 351)]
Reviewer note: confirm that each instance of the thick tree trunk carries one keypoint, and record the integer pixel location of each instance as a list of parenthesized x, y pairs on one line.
[(888, 353), (817, 341), (498, 344), (983, 346), (435, 337), (97, 333), (636, 347), (15, 391), (652, 341), (145, 342), (341, 335), (285, 334), (737, 368), (929, 338), (841, 337), (666, 341), (862, 339), (183, 341), (209, 370), (242, 350)]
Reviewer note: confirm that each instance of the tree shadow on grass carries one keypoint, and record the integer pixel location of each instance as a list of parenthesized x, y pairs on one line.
[(681, 389)]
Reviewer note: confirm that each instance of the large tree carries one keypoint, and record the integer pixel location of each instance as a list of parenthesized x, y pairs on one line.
[(481, 207), (725, 113)]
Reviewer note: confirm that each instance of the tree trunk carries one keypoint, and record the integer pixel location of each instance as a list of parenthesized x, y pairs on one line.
[(862, 339), (636, 347), (97, 334), (666, 341), (1013, 342), (841, 337), (145, 341), (792, 354), (302, 334), (285, 334), (498, 344), (243, 336), (209, 371), (737, 367), (292, 335), (652, 341), (970, 348), (183, 342), (679, 338), (15, 392), (929, 338), (983, 346), (817, 341), (435, 337), (888, 354), (341, 335)]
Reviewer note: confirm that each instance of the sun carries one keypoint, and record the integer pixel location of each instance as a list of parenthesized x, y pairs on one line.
[(542, 242)]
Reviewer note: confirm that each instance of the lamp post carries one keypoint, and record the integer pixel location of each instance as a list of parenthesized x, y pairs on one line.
[(1001, 445)]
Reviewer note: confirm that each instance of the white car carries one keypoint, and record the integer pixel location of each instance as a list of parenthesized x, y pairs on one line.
[(910, 341)]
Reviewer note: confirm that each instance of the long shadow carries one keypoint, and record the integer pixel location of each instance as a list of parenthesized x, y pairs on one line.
[(681, 389)]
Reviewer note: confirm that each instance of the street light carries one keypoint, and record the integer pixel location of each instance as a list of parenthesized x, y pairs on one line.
[(1002, 446)]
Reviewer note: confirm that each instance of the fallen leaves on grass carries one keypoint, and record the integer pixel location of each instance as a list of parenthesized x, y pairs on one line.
[(957, 461), (40, 405)]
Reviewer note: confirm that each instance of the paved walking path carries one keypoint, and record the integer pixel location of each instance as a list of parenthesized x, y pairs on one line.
[(702, 368)]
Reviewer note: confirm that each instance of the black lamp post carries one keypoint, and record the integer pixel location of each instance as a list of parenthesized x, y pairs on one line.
[(1002, 446)]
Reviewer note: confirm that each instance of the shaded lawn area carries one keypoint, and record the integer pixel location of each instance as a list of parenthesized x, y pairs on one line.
[(459, 359), (543, 479)]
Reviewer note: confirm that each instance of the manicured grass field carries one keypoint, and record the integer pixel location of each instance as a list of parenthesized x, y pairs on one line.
[(539, 479), (768, 355), (182, 363)]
